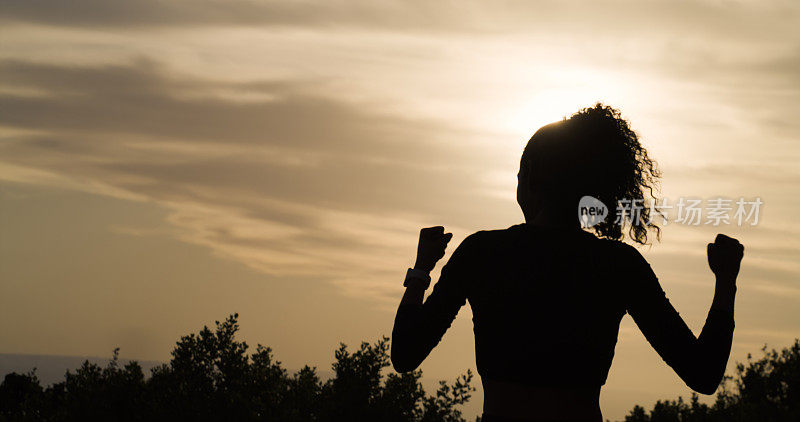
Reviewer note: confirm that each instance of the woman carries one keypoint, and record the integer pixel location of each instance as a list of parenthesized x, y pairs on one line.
[(547, 296)]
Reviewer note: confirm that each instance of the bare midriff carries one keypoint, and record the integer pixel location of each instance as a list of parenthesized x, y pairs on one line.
[(531, 403)]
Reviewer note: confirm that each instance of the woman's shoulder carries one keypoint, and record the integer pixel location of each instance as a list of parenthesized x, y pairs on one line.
[(617, 248), (511, 234), (486, 236), (488, 239), (620, 252)]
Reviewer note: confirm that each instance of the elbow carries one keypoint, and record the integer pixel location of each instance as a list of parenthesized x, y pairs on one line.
[(401, 366), (707, 389), (706, 386), (705, 375), (402, 363), (402, 359)]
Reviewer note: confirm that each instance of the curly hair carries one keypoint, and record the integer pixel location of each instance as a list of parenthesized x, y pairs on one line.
[(595, 153)]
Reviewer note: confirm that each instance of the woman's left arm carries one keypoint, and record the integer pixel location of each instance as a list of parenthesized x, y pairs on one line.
[(418, 326)]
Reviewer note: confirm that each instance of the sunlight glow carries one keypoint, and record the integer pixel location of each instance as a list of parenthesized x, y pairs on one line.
[(568, 91)]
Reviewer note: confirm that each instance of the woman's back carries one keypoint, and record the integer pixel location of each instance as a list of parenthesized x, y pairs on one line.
[(545, 289), (546, 304)]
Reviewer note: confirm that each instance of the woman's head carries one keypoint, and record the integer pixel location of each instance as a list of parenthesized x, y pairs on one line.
[(594, 153)]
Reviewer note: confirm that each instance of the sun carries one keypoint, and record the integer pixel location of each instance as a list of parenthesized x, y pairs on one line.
[(561, 92), (548, 106)]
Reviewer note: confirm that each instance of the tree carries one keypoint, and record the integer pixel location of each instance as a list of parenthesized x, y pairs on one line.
[(21, 396), (211, 376), (766, 390)]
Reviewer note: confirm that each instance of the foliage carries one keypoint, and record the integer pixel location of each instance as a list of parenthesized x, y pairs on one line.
[(765, 390), (211, 377)]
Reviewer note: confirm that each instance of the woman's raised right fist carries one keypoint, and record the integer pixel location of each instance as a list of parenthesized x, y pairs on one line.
[(724, 257), (432, 244)]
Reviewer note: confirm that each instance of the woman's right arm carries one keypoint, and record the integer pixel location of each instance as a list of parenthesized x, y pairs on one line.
[(699, 361)]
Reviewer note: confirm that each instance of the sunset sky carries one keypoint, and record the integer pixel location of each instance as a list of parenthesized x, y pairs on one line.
[(165, 164)]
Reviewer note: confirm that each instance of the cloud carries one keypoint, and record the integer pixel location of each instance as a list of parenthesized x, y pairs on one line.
[(296, 183), (691, 18), (144, 99), (293, 180), (283, 169)]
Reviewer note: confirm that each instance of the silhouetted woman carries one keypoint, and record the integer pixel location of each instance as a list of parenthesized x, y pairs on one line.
[(547, 296)]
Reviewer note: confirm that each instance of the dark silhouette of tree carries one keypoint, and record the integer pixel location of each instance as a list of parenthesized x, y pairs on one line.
[(211, 376), (767, 389), (21, 397)]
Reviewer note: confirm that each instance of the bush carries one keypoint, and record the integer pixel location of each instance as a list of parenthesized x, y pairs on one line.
[(211, 377), (766, 390)]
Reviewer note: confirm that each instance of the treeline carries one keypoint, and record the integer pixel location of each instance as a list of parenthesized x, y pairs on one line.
[(764, 390), (211, 376)]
